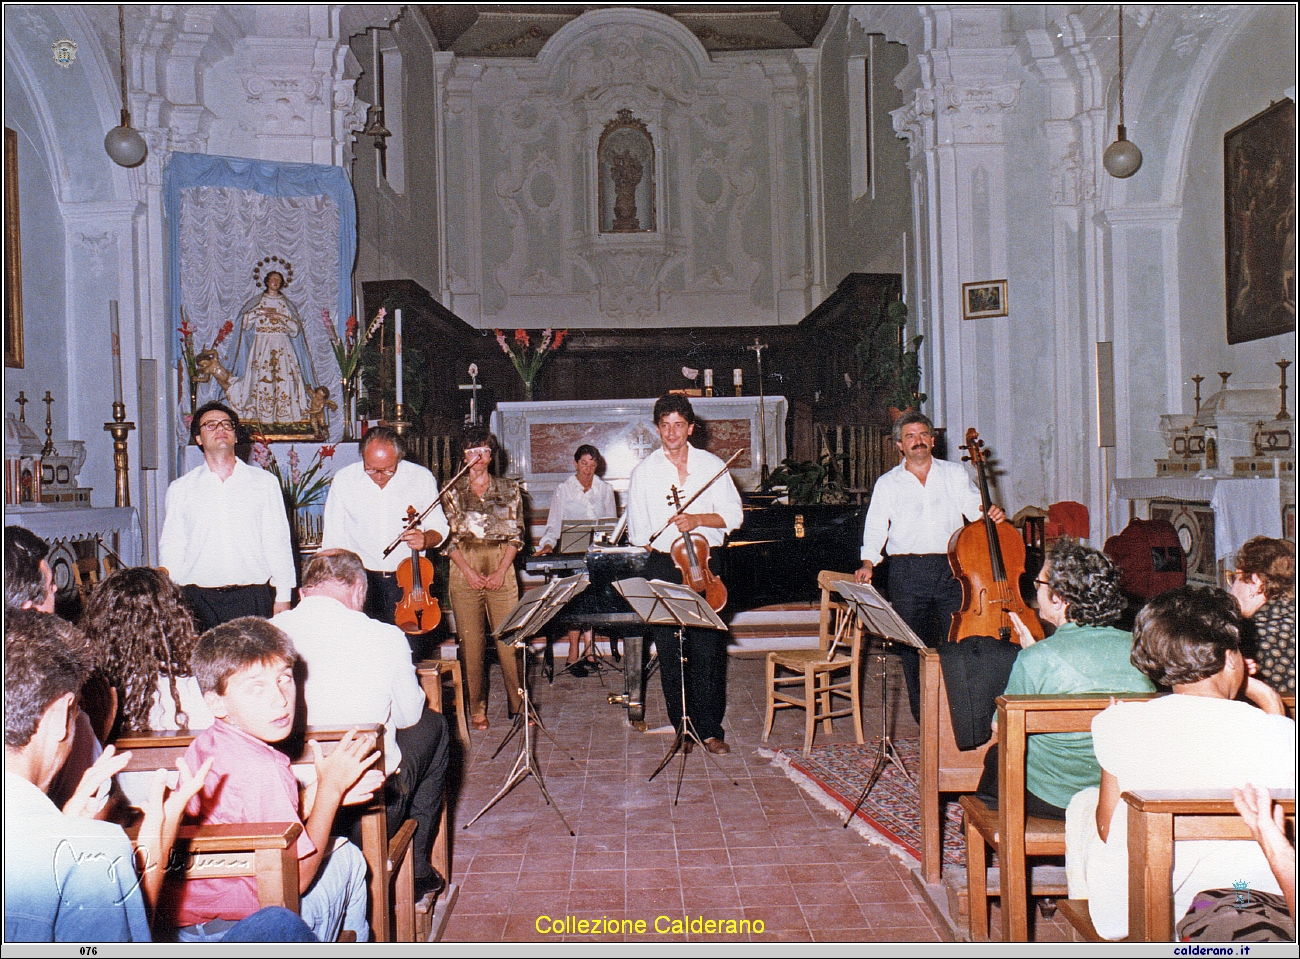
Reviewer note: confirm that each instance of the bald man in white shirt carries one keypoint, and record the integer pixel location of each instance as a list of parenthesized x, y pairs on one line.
[(915, 508)]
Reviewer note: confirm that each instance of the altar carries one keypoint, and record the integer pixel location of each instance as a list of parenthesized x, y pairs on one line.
[(539, 438)]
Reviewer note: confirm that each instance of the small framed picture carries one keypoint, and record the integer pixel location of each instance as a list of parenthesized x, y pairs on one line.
[(986, 298)]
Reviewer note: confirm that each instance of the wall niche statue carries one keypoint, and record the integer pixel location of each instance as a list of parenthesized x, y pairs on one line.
[(626, 157)]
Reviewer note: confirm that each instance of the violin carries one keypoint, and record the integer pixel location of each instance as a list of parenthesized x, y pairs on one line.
[(418, 611), (988, 558), (691, 554)]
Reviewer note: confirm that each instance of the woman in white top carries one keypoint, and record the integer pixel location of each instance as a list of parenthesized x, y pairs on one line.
[(582, 496), (140, 635)]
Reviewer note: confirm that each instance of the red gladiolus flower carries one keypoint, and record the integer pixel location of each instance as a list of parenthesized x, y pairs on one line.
[(185, 329), (501, 341), (352, 328), (559, 338), (327, 452), (521, 337), (226, 329)]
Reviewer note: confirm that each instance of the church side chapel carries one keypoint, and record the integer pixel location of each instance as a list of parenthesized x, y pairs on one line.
[(486, 320)]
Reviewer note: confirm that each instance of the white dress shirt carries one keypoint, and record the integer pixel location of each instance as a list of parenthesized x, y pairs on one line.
[(648, 505), (365, 519), (570, 501), (909, 517), (358, 670), (231, 533)]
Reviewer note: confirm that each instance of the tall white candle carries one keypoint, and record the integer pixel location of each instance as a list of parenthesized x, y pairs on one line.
[(397, 338), (115, 331), (708, 378)]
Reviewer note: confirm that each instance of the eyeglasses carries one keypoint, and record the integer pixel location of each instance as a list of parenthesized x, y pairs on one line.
[(371, 471), (1042, 582), (1235, 575), (211, 426), (479, 452)]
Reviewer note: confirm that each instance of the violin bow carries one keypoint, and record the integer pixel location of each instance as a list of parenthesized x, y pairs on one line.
[(420, 519), (725, 466)]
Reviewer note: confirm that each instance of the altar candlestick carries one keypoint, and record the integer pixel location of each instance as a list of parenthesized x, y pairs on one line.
[(397, 349), (737, 380), (115, 329), (708, 382)]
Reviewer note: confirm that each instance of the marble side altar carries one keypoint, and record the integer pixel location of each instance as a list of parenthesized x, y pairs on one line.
[(539, 438)]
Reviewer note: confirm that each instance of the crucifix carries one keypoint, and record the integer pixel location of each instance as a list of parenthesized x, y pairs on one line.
[(48, 449), (758, 348), (473, 386), (22, 402)]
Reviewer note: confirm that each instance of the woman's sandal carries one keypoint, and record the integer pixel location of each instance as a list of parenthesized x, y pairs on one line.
[(479, 722)]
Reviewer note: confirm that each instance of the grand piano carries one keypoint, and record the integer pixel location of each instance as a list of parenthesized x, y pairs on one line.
[(773, 557)]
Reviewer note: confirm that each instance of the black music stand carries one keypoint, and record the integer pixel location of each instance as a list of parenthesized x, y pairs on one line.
[(658, 603), (878, 617), (534, 610)]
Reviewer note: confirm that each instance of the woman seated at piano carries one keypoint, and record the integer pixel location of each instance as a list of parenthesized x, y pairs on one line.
[(583, 496)]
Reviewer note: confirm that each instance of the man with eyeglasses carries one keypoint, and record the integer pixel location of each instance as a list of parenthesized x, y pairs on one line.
[(225, 539), (915, 508), (366, 511)]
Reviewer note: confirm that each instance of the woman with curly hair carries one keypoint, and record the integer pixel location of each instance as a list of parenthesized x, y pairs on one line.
[(140, 635), (1078, 594), (1264, 586)]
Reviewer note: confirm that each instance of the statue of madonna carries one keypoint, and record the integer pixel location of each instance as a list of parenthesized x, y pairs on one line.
[(270, 367)]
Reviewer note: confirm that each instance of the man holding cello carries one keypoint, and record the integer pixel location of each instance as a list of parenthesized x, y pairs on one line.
[(367, 508), (715, 512), (915, 508)]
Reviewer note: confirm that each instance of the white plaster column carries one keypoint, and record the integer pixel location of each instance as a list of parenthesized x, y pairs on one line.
[(964, 84)]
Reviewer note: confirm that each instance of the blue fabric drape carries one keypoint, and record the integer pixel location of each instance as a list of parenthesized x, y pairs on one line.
[(268, 177)]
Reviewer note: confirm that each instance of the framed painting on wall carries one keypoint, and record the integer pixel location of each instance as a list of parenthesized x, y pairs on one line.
[(986, 298), (13, 258), (1259, 224)]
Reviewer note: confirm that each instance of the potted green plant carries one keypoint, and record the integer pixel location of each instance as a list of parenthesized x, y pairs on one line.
[(809, 483), (889, 369)]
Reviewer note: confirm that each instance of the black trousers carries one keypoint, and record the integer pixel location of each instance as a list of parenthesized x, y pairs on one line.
[(382, 596), (925, 593), (214, 606), (706, 665), (415, 791)]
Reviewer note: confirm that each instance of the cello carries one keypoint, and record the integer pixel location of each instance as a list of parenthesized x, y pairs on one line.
[(988, 559), (418, 611)]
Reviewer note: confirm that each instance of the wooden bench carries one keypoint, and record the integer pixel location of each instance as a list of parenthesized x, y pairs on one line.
[(431, 673), (389, 862), (1007, 829), (944, 767)]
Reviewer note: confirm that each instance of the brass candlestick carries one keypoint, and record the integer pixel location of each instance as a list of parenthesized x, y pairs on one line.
[(48, 449), (399, 422), (22, 402), (1224, 376), (1197, 380), (1282, 414), (121, 465)]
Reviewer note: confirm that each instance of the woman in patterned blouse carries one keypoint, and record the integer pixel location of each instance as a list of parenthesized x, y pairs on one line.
[(486, 518), (1264, 585)]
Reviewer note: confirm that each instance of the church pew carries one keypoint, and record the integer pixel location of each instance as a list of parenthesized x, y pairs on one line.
[(944, 767), (1156, 820), (431, 673), (1007, 829), (389, 862)]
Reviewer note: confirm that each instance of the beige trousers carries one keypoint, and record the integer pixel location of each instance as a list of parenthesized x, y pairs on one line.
[(478, 612)]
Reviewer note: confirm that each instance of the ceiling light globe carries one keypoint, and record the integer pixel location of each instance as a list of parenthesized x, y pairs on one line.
[(125, 146), (1122, 158)]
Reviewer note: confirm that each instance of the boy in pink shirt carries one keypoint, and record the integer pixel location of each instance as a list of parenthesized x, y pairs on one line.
[(245, 669)]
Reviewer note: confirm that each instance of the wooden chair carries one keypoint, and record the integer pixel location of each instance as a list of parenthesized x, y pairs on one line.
[(944, 767), (390, 865), (1156, 820), (815, 670), (1007, 829)]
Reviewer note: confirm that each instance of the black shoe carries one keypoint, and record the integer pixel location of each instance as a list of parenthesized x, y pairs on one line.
[(716, 746), (578, 669), (429, 886)]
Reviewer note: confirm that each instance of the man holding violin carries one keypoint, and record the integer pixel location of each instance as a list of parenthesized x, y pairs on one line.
[(367, 508), (715, 512), (915, 508)]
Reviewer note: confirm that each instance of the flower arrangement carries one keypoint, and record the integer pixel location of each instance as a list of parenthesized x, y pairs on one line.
[(300, 487), (527, 359), (347, 349)]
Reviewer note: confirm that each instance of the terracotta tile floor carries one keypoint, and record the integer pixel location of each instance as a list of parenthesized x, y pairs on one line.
[(759, 850)]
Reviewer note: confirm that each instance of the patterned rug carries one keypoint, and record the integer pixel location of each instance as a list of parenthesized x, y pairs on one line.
[(836, 773)]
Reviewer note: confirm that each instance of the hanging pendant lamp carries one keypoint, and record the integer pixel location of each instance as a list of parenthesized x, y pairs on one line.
[(1122, 158), (125, 146)]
